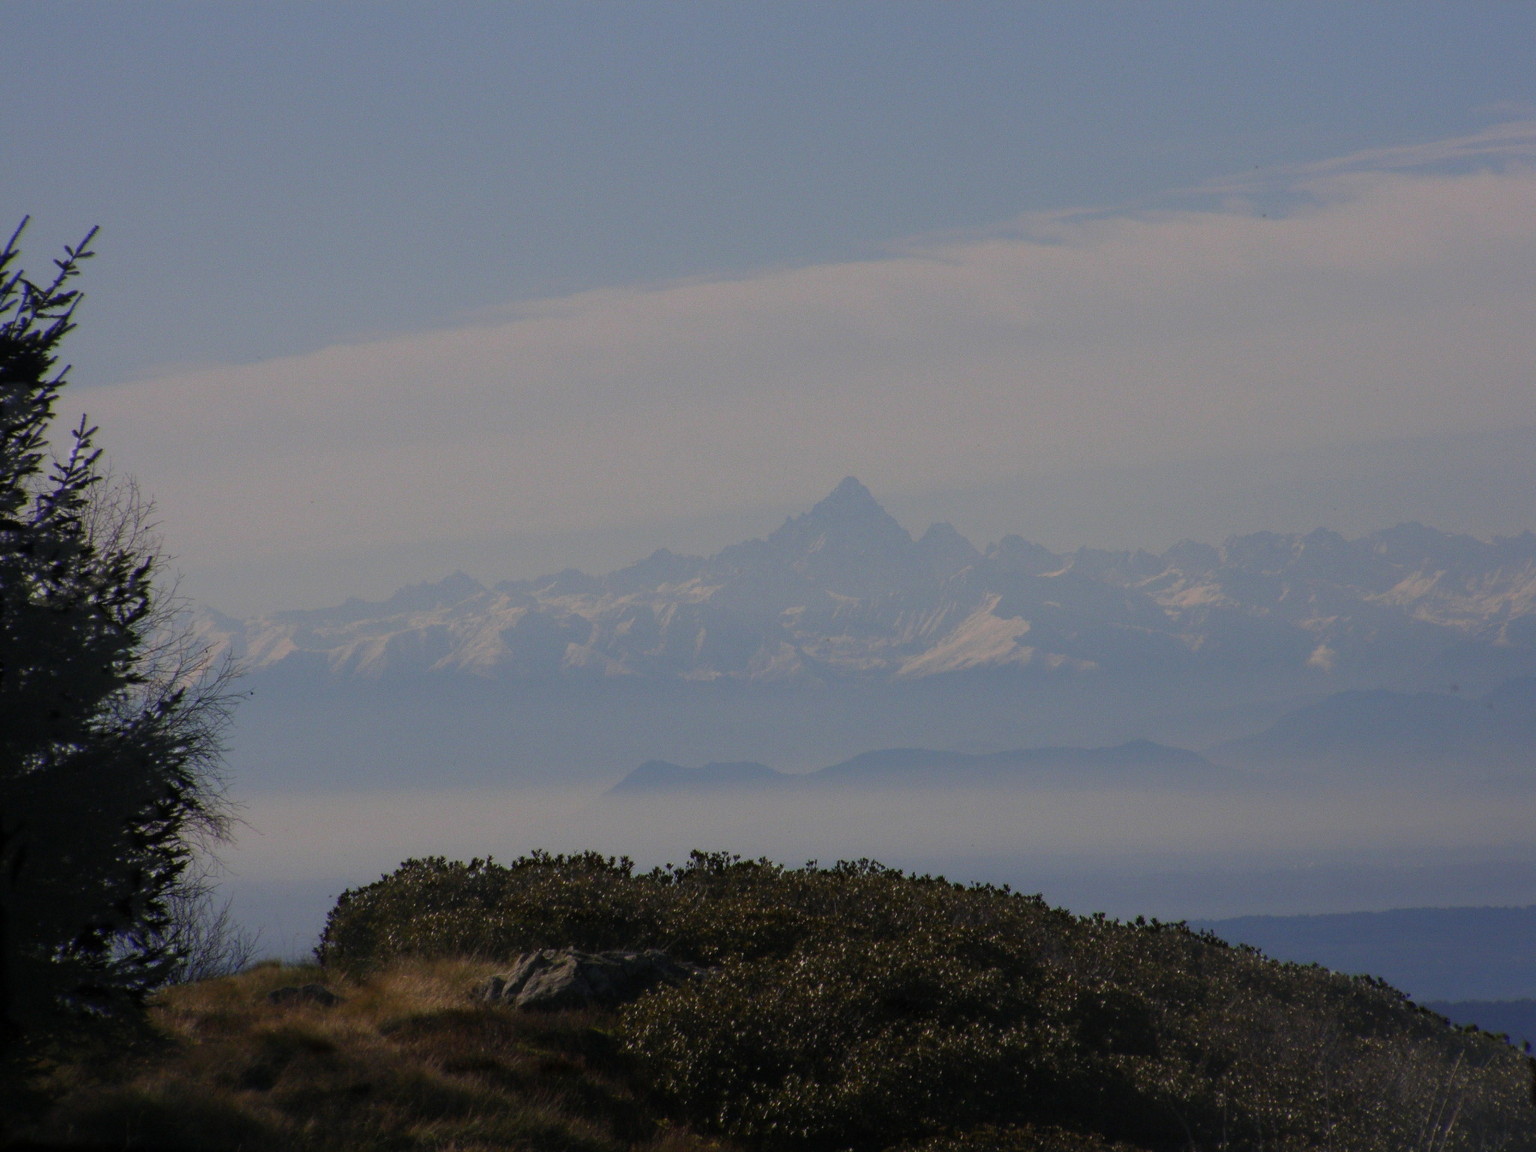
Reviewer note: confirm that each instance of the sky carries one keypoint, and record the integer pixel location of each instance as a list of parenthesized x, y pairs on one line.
[(388, 290)]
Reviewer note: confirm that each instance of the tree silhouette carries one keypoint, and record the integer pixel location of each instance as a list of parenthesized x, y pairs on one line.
[(109, 731)]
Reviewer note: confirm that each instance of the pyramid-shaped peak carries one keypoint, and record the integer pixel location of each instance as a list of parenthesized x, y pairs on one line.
[(849, 524), (850, 511), (849, 497), (947, 551)]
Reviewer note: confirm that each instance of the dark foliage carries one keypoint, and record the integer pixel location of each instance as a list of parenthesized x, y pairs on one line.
[(109, 732), (855, 1007)]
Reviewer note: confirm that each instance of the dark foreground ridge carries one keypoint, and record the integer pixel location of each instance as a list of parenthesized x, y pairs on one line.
[(844, 1009)]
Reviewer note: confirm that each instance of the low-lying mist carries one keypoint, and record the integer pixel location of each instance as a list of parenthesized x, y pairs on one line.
[(1121, 850)]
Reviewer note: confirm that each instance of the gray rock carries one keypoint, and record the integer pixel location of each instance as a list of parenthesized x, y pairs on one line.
[(566, 978), (309, 994)]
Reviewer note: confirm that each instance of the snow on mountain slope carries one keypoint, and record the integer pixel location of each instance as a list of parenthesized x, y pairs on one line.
[(981, 640), (843, 592)]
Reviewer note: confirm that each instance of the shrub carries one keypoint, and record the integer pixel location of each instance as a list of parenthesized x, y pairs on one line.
[(854, 1044), (714, 908), (435, 907)]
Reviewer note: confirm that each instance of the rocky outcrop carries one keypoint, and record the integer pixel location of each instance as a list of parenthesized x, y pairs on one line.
[(308, 994), (555, 978)]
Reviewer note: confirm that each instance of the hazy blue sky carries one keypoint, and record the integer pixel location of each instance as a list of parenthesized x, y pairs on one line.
[(389, 289)]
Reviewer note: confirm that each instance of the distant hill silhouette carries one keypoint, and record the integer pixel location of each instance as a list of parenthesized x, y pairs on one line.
[(1138, 762), (1513, 1018), (656, 777), (1365, 731), (1434, 954)]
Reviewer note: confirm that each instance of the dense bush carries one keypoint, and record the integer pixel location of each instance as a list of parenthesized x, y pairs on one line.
[(1024, 1138), (862, 1044), (714, 908), (855, 1007), (435, 907)]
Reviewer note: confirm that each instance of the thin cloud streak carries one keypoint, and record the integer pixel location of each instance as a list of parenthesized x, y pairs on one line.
[(1390, 303), (1511, 140)]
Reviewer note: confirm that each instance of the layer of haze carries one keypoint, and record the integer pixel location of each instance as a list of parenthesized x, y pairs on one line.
[(1122, 851)]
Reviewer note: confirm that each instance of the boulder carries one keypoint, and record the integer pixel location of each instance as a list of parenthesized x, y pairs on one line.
[(566, 978), (309, 994)]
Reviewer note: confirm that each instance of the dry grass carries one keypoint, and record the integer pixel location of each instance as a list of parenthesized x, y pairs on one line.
[(406, 1061)]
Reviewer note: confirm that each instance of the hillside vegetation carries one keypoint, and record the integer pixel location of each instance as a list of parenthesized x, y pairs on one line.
[(403, 1062), (851, 1007)]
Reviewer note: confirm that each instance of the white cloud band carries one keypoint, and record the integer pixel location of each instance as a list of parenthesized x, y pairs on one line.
[(1393, 301)]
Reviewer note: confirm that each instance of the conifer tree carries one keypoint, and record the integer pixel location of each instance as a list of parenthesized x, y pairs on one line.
[(109, 732)]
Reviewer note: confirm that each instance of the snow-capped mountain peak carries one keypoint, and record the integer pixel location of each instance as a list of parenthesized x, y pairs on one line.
[(844, 591)]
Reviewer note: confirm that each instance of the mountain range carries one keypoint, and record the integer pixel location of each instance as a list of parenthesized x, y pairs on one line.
[(840, 631), (845, 591)]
